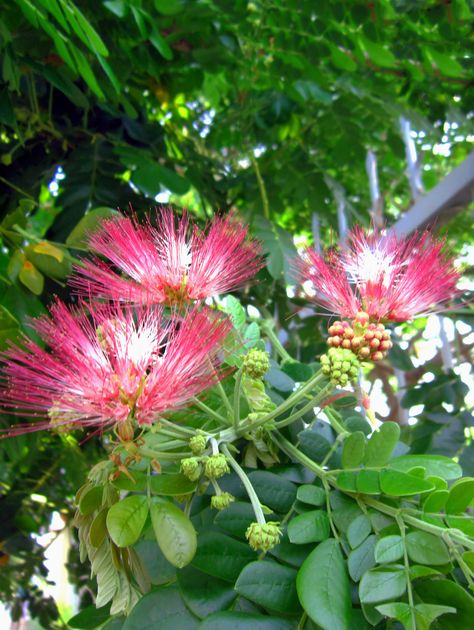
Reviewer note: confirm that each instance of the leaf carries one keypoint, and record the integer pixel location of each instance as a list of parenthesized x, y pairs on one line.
[(398, 484), (9, 327), (299, 372), (163, 609), (234, 308), (251, 335), (310, 494), (149, 176), (447, 66), (174, 532), (423, 614), (161, 45), (90, 500), (314, 445), (380, 55), (172, 484), (307, 90), (381, 444), (204, 594), (424, 548), (342, 60), (362, 559), (436, 465), (221, 556), (270, 585), (159, 570), (389, 549), (125, 520), (323, 587), (169, 7), (381, 585), (358, 530), (90, 617), (353, 450), (234, 620), (279, 380), (98, 528), (31, 278), (279, 247), (273, 491), (436, 501), (367, 481), (89, 223), (236, 519), (309, 527), (461, 496), (451, 594)]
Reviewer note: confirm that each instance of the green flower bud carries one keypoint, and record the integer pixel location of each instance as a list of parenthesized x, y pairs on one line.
[(222, 501), (256, 363), (191, 468), (198, 444), (346, 366), (263, 537), (340, 365), (216, 466)]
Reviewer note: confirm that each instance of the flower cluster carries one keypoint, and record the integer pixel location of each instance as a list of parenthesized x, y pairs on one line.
[(169, 261), (108, 365), (125, 362), (392, 279)]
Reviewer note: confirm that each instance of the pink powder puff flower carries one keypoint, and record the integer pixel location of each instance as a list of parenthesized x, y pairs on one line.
[(111, 366), (391, 278), (170, 262)]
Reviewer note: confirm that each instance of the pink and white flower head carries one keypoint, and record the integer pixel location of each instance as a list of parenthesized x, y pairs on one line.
[(169, 262), (391, 278), (110, 365)]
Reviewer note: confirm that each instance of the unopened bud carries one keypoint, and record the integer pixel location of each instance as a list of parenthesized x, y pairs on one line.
[(364, 353), (222, 501), (362, 318), (256, 363), (125, 430), (346, 343), (191, 468), (355, 342), (263, 537), (374, 344), (216, 466), (377, 356), (198, 444), (385, 345)]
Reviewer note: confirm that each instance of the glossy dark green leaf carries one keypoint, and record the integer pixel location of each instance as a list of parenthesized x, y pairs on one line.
[(159, 570), (323, 587), (461, 496), (367, 482), (358, 530), (273, 491), (362, 558), (89, 224), (398, 484), (162, 609), (299, 372), (381, 444), (172, 484), (236, 518), (125, 520), (204, 594), (91, 499), (314, 445), (437, 465), (389, 549), (222, 556), (424, 548), (448, 593), (382, 585), (270, 585), (313, 495), (234, 620), (353, 450), (174, 532), (309, 527), (89, 618)]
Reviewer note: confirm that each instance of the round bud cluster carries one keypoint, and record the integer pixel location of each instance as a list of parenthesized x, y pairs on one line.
[(222, 501), (191, 468), (263, 537), (215, 466), (256, 363), (341, 365), (367, 341), (197, 444)]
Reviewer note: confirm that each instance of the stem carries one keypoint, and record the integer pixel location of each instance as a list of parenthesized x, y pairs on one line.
[(254, 500), (209, 411), (176, 427), (261, 186), (402, 528), (20, 190), (271, 334), (238, 382), (152, 454), (336, 425)]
